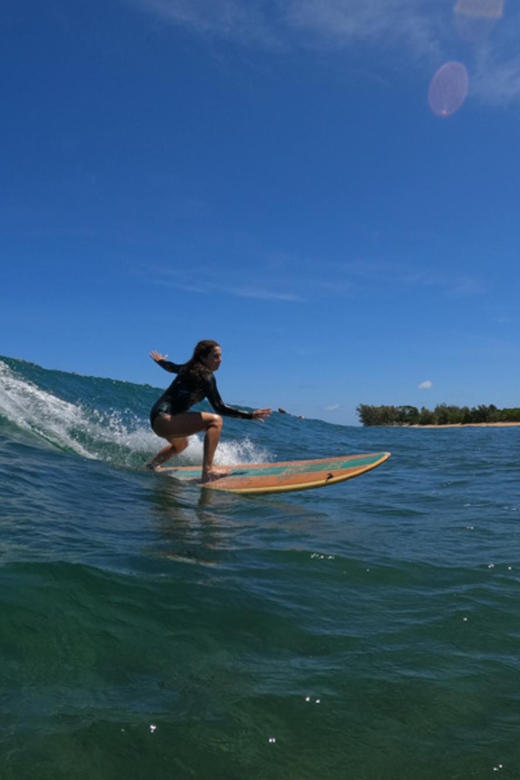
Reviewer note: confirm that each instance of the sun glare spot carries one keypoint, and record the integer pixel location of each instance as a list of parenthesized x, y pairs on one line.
[(448, 89)]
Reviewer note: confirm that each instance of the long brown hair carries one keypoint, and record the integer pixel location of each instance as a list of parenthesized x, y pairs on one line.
[(201, 351)]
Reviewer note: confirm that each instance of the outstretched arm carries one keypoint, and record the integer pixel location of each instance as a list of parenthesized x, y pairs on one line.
[(173, 368), (213, 396), (260, 414)]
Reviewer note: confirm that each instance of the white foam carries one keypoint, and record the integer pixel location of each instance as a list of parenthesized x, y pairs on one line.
[(229, 453), (113, 437), (35, 410)]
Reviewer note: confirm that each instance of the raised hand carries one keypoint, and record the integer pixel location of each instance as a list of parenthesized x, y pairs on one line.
[(157, 356), (261, 414)]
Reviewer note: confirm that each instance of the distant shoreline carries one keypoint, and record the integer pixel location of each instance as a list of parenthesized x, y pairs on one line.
[(443, 416), (467, 425)]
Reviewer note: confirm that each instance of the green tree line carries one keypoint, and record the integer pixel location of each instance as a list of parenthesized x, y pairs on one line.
[(441, 415)]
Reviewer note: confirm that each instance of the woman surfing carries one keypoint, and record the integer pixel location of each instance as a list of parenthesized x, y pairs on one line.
[(171, 419)]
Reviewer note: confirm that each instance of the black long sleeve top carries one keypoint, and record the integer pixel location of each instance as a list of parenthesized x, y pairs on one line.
[(189, 388)]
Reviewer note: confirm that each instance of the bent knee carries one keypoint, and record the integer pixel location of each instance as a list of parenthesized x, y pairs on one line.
[(216, 421), (178, 443)]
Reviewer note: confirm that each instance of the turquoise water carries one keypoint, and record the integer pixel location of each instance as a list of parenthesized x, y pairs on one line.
[(151, 630)]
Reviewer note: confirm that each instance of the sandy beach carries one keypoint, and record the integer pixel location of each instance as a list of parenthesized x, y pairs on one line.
[(471, 425)]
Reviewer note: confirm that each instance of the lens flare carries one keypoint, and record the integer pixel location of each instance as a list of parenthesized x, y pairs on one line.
[(448, 89)]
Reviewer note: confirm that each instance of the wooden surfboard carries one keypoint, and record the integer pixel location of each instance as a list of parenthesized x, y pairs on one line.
[(255, 478)]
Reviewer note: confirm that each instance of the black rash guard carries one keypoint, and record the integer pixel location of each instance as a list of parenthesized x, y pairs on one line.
[(189, 388)]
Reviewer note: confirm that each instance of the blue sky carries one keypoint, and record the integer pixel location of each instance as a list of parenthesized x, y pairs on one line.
[(269, 174)]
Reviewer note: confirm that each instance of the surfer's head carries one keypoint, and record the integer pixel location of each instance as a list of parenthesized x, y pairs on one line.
[(208, 353)]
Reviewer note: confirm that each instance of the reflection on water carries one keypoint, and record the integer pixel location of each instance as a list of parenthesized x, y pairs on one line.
[(189, 529)]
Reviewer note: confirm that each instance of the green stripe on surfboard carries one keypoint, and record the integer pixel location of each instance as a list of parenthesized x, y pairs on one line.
[(283, 477), (292, 467)]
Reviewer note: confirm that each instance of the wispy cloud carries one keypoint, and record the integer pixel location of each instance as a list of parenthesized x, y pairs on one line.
[(331, 408), (388, 273), (452, 285), (425, 385), (300, 22), (340, 22), (268, 276), (204, 281), (242, 20), (496, 82), (290, 279), (411, 31), (264, 294), (480, 345)]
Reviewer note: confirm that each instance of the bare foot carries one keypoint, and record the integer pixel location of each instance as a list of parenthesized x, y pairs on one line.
[(151, 467), (211, 476)]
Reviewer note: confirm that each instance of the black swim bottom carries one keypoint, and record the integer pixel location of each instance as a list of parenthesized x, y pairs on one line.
[(160, 407)]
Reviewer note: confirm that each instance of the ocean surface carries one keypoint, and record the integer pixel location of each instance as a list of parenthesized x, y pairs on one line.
[(368, 630)]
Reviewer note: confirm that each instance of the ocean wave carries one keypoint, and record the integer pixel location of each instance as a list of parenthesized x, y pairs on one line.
[(116, 435)]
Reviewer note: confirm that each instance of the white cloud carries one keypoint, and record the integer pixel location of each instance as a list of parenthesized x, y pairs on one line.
[(426, 385), (332, 408)]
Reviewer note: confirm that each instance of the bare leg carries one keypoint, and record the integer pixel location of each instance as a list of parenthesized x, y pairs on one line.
[(173, 449), (176, 428), (211, 441)]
